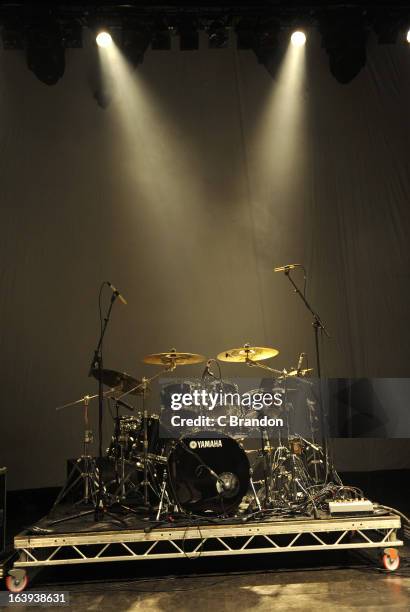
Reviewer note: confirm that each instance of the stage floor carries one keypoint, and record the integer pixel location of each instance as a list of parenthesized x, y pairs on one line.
[(327, 589)]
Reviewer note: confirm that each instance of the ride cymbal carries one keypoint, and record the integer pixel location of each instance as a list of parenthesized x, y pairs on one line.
[(120, 381), (247, 353), (173, 358)]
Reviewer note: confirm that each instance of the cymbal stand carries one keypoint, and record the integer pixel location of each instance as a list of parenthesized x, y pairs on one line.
[(145, 443), (267, 467), (311, 407), (294, 480), (85, 466), (164, 494), (258, 503)]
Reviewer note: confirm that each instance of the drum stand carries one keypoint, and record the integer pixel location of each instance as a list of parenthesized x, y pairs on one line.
[(164, 495), (258, 503), (145, 459), (86, 468)]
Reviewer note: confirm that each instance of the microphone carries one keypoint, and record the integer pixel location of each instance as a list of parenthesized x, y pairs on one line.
[(117, 293), (286, 268)]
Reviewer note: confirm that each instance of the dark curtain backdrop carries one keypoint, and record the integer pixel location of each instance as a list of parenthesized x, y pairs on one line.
[(185, 193)]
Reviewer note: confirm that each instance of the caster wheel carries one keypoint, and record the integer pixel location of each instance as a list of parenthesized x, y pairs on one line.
[(391, 560), (16, 585)]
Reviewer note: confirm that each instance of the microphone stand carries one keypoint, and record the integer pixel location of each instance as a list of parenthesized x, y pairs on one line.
[(317, 324), (97, 364)]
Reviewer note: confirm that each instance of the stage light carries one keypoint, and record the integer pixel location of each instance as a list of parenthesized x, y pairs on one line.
[(408, 36), (103, 39), (266, 45), (218, 35), (245, 34), (134, 44), (188, 34), (386, 28), (45, 52), (344, 38), (298, 38), (161, 36)]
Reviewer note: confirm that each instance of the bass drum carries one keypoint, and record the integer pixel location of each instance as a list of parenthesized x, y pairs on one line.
[(209, 473)]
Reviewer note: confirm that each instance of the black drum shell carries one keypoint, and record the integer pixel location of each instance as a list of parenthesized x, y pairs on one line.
[(194, 487)]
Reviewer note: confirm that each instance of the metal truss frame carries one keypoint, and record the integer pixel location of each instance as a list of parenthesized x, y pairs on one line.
[(208, 540)]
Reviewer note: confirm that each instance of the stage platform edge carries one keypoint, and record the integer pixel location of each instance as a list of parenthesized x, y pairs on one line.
[(269, 536)]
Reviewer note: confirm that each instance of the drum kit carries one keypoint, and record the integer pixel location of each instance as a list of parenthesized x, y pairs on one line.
[(207, 471), (203, 472)]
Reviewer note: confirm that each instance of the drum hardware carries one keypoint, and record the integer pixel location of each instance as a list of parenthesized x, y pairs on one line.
[(107, 394), (311, 406), (123, 429), (85, 464), (255, 495), (164, 494), (292, 466), (129, 451), (207, 373), (170, 360), (145, 483)]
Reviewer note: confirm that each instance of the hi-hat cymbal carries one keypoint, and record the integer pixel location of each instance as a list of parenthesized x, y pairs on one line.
[(247, 353), (173, 358), (120, 381)]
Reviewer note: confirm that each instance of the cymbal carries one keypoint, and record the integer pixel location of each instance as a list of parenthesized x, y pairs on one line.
[(298, 373), (252, 353), (173, 358), (119, 381)]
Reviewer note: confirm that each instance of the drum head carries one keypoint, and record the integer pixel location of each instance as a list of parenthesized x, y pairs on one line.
[(199, 491)]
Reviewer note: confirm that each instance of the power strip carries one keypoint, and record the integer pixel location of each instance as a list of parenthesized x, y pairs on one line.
[(350, 506)]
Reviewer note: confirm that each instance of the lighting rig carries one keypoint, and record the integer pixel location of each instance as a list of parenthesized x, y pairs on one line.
[(45, 30)]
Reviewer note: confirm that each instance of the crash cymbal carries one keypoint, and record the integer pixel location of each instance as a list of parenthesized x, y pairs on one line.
[(304, 372), (121, 382), (173, 358), (247, 353)]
